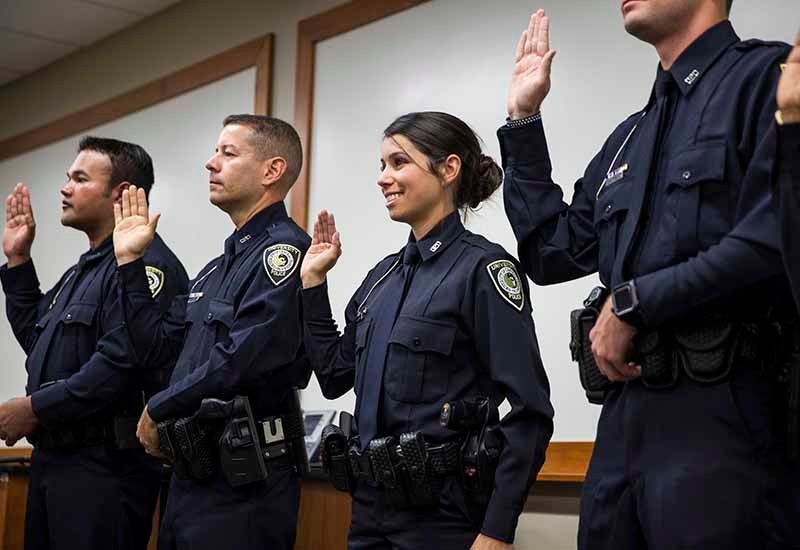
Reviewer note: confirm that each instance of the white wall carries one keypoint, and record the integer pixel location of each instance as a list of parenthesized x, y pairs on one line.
[(180, 135), (456, 56)]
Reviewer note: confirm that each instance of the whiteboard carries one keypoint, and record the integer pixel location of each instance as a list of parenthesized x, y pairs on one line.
[(180, 134), (456, 56)]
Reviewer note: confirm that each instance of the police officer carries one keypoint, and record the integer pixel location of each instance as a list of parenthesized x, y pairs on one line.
[(90, 480), (445, 319), (675, 215), (788, 171), (238, 332)]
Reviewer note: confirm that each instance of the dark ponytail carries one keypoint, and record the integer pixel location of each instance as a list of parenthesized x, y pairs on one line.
[(439, 135)]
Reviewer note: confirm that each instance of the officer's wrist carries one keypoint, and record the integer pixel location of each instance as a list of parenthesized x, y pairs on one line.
[(310, 280), (787, 116), (123, 259), (17, 260)]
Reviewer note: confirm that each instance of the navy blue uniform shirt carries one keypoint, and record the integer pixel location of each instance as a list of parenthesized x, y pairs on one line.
[(788, 193), (74, 334), (679, 203), (464, 330), (238, 331)]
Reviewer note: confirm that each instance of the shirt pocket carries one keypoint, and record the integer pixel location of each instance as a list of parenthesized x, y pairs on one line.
[(363, 332), (699, 197), (609, 218), (79, 330), (219, 318), (419, 359)]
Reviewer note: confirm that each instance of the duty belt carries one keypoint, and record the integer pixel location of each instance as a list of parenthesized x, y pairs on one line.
[(368, 465)]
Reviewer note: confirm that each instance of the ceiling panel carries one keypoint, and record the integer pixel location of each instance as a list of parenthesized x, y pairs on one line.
[(26, 53), (66, 21), (142, 7)]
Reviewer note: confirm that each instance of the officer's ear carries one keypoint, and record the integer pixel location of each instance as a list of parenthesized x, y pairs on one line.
[(450, 170), (274, 169), (116, 191)]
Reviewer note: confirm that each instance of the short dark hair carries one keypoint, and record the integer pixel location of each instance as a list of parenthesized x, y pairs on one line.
[(730, 3), (439, 135), (273, 137), (129, 162)]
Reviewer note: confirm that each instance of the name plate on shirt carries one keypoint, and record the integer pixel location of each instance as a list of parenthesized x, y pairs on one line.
[(194, 296), (616, 175)]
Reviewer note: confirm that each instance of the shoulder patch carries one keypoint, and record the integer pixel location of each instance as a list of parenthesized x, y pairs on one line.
[(507, 282), (155, 279), (280, 261)]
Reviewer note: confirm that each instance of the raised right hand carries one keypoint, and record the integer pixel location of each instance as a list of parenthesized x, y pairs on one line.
[(134, 228), (20, 227), (530, 79), (326, 247)]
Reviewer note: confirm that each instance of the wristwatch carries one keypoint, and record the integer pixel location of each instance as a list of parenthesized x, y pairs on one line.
[(625, 303)]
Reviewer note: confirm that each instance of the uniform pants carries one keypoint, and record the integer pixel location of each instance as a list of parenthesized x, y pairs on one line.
[(91, 498), (375, 525), (696, 466), (212, 515)]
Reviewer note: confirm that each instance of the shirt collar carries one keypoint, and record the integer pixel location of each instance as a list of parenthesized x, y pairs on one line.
[(261, 222), (104, 249), (440, 237), (697, 59)]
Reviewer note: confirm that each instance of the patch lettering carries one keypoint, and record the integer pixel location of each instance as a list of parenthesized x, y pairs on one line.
[(155, 279), (507, 282), (280, 261)]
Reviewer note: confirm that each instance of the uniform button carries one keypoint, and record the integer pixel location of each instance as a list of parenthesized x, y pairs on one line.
[(209, 316), (69, 316), (609, 206), (687, 174), (417, 342)]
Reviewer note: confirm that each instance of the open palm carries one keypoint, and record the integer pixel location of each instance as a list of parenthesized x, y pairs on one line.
[(530, 79), (20, 228), (324, 252), (134, 228), (789, 84)]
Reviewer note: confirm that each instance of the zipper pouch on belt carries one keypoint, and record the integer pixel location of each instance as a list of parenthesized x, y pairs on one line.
[(659, 366)]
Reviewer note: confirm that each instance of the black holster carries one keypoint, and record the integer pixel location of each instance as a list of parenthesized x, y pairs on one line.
[(335, 444), (594, 382)]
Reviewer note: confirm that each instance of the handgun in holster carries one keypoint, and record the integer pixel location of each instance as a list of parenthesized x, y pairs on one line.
[(480, 450), (240, 452), (191, 443), (594, 383), (335, 444)]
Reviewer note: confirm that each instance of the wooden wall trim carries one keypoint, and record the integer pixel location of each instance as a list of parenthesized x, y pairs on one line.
[(336, 21), (8, 452), (256, 53)]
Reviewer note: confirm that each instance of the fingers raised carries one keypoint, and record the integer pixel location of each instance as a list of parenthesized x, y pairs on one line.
[(543, 40), (141, 200)]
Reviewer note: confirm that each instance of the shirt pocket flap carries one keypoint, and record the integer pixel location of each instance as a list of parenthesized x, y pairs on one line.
[(702, 163), (420, 334), (79, 313), (220, 311), (609, 208)]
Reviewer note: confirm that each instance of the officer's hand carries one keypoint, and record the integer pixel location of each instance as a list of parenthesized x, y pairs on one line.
[(612, 344), (326, 247), (789, 87), (20, 227), (488, 543), (134, 228), (17, 420), (147, 432), (530, 79)]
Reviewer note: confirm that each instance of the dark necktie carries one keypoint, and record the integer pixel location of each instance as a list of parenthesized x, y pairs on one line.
[(391, 301)]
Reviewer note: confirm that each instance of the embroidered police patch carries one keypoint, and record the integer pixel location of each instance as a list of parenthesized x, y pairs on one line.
[(280, 261), (507, 282), (155, 279)]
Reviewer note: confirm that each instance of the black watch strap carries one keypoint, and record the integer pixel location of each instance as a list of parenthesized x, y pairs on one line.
[(625, 302)]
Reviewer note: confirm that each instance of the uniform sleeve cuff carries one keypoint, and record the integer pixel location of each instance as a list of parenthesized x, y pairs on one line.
[(523, 144), (17, 278), (316, 303), (500, 523), (161, 408), (46, 403), (133, 278)]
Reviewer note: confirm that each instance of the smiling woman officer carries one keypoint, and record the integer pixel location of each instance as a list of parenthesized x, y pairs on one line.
[(446, 320)]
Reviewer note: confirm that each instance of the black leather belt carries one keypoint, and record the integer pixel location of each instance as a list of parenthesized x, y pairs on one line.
[(442, 460)]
